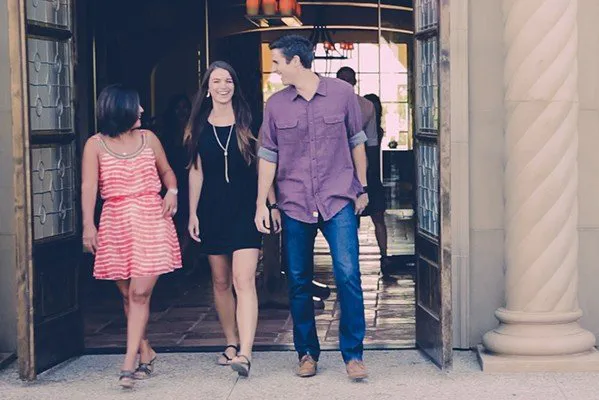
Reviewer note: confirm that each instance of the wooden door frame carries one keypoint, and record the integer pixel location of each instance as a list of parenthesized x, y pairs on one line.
[(443, 143), (17, 35), (21, 180), (445, 245)]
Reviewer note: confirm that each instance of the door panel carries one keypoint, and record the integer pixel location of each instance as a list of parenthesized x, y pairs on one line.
[(54, 166), (433, 279)]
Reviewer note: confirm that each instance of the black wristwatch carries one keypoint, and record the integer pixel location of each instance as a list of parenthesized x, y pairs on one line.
[(364, 190), (273, 206)]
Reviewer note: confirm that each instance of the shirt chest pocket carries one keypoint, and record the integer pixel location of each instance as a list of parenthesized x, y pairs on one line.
[(334, 126), (288, 131)]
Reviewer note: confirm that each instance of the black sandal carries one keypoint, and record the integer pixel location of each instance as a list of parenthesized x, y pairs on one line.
[(127, 379), (144, 370), (227, 358), (242, 367)]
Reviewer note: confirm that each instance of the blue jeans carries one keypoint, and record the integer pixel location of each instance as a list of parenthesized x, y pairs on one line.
[(341, 232)]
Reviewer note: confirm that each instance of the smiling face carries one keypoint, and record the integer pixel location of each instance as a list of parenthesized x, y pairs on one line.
[(221, 86), (288, 71)]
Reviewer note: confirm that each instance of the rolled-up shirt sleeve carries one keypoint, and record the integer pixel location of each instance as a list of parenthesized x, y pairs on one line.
[(353, 122), (268, 147)]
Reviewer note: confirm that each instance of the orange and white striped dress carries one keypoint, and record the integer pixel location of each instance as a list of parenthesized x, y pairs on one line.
[(134, 238)]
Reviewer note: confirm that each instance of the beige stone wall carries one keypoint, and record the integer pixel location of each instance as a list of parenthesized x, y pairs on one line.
[(8, 301), (487, 276), (588, 161)]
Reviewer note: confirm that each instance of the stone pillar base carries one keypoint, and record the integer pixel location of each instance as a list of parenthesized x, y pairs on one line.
[(583, 362)]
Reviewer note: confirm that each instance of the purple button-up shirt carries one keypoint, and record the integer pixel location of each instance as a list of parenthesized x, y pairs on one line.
[(311, 143)]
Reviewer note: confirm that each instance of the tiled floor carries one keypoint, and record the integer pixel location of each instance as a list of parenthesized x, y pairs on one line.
[(183, 317)]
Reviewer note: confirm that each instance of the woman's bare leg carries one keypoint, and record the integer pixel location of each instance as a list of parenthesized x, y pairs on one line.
[(146, 351), (138, 312), (245, 262), (224, 300)]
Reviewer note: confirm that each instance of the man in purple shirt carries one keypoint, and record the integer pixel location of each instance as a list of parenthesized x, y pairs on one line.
[(312, 144)]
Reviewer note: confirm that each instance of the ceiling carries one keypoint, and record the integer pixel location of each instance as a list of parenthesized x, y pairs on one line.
[(227, 17)]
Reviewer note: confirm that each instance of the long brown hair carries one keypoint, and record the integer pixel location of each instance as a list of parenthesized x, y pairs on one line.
[(201, 108)]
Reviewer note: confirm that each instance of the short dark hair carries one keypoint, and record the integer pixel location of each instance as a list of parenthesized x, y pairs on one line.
[(347, 74), (118, 109), (295, 45)]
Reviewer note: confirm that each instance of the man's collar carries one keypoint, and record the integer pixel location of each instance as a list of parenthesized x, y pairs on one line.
[(320, 90)]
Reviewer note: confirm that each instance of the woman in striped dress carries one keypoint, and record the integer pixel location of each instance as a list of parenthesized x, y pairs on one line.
[(136, 241)]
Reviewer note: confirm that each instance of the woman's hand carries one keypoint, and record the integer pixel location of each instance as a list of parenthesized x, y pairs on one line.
[(262, 219), (169, 204), (90, 238), (194, 227)]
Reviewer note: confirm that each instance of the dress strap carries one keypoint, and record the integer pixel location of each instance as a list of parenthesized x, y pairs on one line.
[(101, 142), (144, 139)]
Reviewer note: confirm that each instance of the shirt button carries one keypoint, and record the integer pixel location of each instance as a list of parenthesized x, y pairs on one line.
[(315, 214)]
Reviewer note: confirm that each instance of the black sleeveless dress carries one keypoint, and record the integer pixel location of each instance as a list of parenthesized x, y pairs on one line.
[(226, 209)]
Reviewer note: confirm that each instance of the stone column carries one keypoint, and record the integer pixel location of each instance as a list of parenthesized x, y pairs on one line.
[(538, 327)]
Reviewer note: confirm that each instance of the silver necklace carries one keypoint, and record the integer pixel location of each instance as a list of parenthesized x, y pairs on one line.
[(225, 149)]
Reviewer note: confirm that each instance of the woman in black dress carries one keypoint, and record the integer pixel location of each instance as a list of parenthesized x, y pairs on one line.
[(222, 205), (377, 204)]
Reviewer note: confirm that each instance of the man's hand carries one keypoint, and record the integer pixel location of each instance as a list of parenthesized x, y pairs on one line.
[(275, 215), (361, 203)]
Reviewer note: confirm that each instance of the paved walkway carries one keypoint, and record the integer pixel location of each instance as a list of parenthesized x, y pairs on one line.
[(394, 375)]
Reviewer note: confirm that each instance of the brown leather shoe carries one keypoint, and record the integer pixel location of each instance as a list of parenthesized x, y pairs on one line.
[(356, 370), (307, 367)]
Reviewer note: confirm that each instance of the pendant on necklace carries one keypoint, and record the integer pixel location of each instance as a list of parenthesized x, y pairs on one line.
[(225, 149)]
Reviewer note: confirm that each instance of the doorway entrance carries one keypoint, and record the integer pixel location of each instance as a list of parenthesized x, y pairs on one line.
[(161, 55), (183, 314)]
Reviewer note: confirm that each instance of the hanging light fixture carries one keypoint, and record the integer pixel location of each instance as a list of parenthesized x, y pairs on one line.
[(252, 7), (274, 12), (269, 7), (287, 7), (347, 49), (321, 34)]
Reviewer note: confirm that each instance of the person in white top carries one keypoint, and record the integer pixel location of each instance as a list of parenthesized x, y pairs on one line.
[(376, 192)]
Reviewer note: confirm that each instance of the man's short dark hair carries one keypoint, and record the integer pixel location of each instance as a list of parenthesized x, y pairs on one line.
[(295, 45), (347, 74), (118, 109)]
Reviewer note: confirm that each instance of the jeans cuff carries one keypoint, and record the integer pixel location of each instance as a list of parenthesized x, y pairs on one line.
[(353, 359), (301, 355)]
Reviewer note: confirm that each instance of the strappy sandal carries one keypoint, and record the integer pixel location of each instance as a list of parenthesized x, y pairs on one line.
[(242, 367), (227, 358), (127, 379), (144, 370)]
